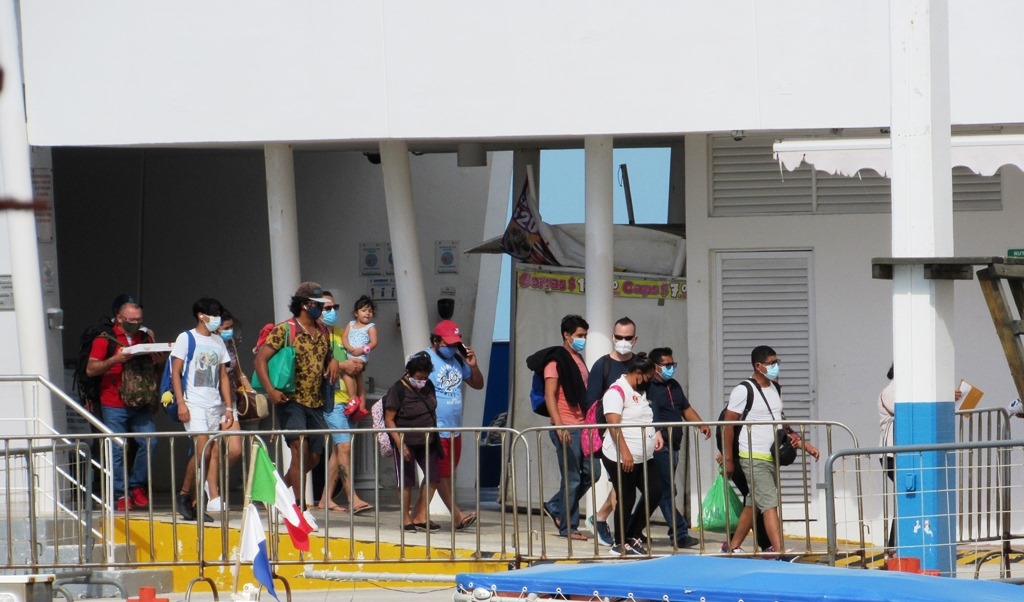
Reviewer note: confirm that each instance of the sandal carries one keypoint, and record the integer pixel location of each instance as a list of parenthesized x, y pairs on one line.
[(364, 507), (466, 522), (577, 536)]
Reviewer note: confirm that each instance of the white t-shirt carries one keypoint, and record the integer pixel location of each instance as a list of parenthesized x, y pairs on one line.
[(202, 379), (634, 409), (763, 436)]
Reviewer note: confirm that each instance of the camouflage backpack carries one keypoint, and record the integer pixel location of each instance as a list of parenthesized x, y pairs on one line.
[(140, 382)]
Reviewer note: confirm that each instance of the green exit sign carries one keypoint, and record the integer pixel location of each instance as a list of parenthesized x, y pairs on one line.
[(1015, 253)]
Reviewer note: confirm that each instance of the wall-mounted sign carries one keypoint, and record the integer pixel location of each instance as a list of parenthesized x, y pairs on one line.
[(382, 289), (634, 288), (446, 256), (372, 257), (1015, 252), (42, 190), (6, 293)]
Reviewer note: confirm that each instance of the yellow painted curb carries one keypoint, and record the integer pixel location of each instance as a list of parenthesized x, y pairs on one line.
[(176, 547)]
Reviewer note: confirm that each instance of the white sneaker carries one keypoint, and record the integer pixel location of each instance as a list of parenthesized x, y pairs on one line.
[(215, 505)]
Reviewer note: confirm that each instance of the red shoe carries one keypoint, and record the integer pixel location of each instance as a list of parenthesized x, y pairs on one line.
[(139, 499), (122, 502)]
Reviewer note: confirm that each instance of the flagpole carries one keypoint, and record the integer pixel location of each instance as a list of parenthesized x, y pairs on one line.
[(245, 509)]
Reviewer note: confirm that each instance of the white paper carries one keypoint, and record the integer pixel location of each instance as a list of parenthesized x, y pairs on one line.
[(149, 348)]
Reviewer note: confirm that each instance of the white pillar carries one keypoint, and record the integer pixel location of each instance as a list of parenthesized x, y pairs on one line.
[(16, 184), (405, 246), (922, 226), (487, 284), (285, 268), (600, 244)]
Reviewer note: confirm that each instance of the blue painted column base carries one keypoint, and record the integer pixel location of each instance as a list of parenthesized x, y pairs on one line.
[(926, 486)]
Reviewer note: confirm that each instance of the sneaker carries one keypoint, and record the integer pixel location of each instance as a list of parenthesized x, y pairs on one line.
[(124, 504), (687, 541), (185, 508), (639, 546), (620, 550), (604, 534), (139, 498), (725, 549), (215, 505)]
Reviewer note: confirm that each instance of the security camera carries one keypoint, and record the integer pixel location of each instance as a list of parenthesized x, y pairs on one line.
[(738, 135)]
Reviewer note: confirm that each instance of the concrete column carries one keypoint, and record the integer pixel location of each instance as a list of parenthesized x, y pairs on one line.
[(922, 226), (520, 160), (488, 282), (16, 185), (600, 244), (405, 246), (285, 268)]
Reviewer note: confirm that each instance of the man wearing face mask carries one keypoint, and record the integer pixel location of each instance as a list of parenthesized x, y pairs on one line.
[(565, 393), (755, 448), (670, 405), (199, 379), (108, 360), (301, 409), (453, 365), (605, 371)]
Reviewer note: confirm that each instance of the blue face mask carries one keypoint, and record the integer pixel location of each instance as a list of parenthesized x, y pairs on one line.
[(227, 335), (773, 371), (330, 317), (314, 311), (446, 352), (668, 372), (213, 324), (579, 345)]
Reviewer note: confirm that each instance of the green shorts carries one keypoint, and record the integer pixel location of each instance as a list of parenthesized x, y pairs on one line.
[(764, 491)]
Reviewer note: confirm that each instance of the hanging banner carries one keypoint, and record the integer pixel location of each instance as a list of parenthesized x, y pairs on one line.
[(633, 288), (523, 239)]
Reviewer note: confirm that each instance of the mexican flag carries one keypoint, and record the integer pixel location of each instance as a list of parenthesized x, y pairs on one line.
[(268, 487)]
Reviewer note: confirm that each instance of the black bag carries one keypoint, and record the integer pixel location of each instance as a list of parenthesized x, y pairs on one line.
[(88, 387), (784, 452)]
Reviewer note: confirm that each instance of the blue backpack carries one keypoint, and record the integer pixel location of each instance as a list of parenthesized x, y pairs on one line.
[(167, 398), (537, 399)]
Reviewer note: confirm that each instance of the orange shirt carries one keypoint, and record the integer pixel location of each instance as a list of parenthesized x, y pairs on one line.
[(569, 413)]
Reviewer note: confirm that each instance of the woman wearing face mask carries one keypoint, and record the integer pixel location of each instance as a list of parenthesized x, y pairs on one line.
[(411, 403), (629, 452)]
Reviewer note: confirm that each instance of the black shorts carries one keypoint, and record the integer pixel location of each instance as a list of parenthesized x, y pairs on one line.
[(293, 416)]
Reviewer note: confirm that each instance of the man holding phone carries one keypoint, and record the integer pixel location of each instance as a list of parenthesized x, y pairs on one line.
[(454, 364)]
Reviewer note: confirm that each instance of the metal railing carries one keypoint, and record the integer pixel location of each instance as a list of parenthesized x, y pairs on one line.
[(47, 475), (534, 542), (68, 491), (981, 512)]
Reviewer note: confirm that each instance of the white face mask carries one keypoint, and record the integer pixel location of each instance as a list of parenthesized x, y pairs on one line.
[(213, 324), (623, 347)]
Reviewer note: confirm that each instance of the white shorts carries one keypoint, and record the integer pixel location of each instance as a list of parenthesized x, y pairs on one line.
[(205, 419)]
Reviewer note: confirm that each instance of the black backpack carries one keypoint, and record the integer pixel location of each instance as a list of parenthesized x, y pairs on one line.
[(88, 387), (746, 410)]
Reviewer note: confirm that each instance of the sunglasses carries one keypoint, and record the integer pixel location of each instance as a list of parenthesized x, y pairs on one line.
[(623, 337)]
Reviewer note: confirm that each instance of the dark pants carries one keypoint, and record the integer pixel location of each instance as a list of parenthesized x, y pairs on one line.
[(665, 462), (740, 480), (889, 464), (626, 485)]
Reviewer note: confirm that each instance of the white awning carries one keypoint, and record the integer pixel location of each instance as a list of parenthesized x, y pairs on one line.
[(983, 155)]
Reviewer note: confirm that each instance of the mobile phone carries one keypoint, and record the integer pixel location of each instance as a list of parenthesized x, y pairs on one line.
[(461, 349)]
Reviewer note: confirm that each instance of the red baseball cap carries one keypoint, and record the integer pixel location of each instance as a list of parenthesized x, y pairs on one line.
[(448, 331)]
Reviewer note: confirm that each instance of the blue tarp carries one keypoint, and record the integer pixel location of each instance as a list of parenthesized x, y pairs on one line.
[(716, 579)]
